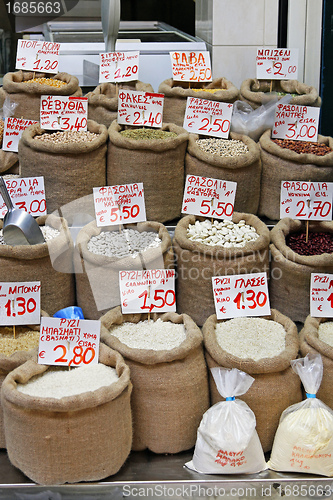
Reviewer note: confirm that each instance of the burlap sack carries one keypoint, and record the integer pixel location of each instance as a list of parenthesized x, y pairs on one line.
[(27, 95), (97, 276), (281, 164), (289, 285), (276, 386), (9, 162), (244, 169), (176, 94), (170, 387), (51, 263), (258, 92), (71, 170), (158, 163), (198, 263), (86, 437), (103, 100)]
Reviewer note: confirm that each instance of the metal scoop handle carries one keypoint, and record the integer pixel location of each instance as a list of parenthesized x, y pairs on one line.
[(4, 193)]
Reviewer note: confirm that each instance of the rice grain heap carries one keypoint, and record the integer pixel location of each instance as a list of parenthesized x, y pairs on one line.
[(25, 339), (325, 332)]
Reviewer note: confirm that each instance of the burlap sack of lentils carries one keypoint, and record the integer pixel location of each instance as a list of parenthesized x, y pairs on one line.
[(97, 276), (275, 387), (245, 169), (176, 94), (170, 387), (198, 263), (27, 95), (103, 100), (91, 431), (158, 163), (71, 169), (281, 164)]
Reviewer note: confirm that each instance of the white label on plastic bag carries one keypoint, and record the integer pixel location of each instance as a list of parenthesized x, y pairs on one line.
[(206, 117), (298, 123), (143, 109), (321, 295), (191, 66), (306, 200), (277, 64), (13, 130), (35, 55), (20, 303), (63, 112), (119, 66), (27, 193), (121, 204)]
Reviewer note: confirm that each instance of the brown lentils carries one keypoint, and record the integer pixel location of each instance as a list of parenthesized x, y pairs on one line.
[(47, 81), (318, 243), (147, 134), (302, 147), (67, 137)]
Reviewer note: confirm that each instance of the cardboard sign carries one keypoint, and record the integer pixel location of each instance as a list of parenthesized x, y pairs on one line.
[(20, 303), (306, 200), (206, 117), (299, 123), (140, 108), (63, 112), (321, 295), (13, 130), (277, 64), (191, 66), (119, 66), (35, 55), (27, 193), (241, 295)]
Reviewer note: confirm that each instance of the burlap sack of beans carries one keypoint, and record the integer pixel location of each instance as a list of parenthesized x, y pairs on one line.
[(9, 163), (27, 95), (70, 170), (97, 276), (258, 92), (176, 94), (85, 437), (51, 263), (198, 263), (170, 387), (103, 100), (289, 285), (158, 163), (275, 387), (245, 169)]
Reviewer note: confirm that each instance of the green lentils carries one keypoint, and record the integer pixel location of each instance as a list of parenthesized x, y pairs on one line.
[(222, 147), (147, 133)]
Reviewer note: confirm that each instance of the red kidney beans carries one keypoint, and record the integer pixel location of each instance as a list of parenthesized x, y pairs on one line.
[(316, 148), (317, 244)]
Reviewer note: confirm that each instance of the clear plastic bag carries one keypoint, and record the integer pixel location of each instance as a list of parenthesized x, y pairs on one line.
[(8, 108)]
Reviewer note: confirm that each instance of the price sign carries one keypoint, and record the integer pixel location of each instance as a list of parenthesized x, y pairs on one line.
[(206, 117), (151, 290), (191, 66), (277, 64), (140, 108), (299, 123), (27, 193), (35, 55), (63, 112), (119, 66), (241, 295), (68, 342), (13, 129), (306, 200), (20, 303), (321, 295), (209, 197)]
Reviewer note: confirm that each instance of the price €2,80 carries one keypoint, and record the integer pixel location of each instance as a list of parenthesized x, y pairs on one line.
[(80, 355)]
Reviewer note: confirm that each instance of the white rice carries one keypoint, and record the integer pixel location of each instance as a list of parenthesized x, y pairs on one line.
[(325, 332)]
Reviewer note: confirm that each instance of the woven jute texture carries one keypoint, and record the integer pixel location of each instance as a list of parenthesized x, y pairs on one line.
[(9, 162)]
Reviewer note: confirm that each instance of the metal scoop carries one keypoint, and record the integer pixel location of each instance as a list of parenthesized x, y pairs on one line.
[(19, 227)]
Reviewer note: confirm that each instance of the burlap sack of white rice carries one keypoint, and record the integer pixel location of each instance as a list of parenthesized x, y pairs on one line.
[(243, 168), (169, 376), (176, 94), (197, 263), (87, 422), (263, 350)]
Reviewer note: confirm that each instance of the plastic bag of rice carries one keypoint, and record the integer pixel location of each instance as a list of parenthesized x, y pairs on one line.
[(169, 376)]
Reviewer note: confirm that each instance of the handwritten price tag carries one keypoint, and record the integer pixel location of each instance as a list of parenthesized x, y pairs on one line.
[(277, 64), (13, 130), (191, 66), (209, 197), (241, 295), (321, 295), (147, 291), (140, 108), (68, 342), (35, 55), (27, 193), (63, 112), (299, 123), (118, 66), (208, 117), (306, 200), (20, 303)]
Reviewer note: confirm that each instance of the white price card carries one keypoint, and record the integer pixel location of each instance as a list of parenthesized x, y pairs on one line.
[(143, 109), (241, 295), (119, 66), (35, 55), (277, 64), (152, 290), (20, 303), (299, 123), (306, 200), (13, 130), (209, 197), (68, 342), (27, 193), (63, 112), (206, 117), (321, 295), (191, 66)]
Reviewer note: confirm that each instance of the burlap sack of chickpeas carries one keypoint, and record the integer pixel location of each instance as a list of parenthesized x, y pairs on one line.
[(275, 385), (289, 285), (176, 94), (197, 263), (158, 163), (85, 437), (245, 169), (70, 169), (27, 95), (170, 387), (97, 276)]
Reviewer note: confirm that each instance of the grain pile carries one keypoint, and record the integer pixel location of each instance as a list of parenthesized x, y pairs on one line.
[(67, 137), (24, 340), (325, 332), (47, 81), (128, 242), (226, 233), (2, 124), (223, 147), (147, 134), (48, 232)]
